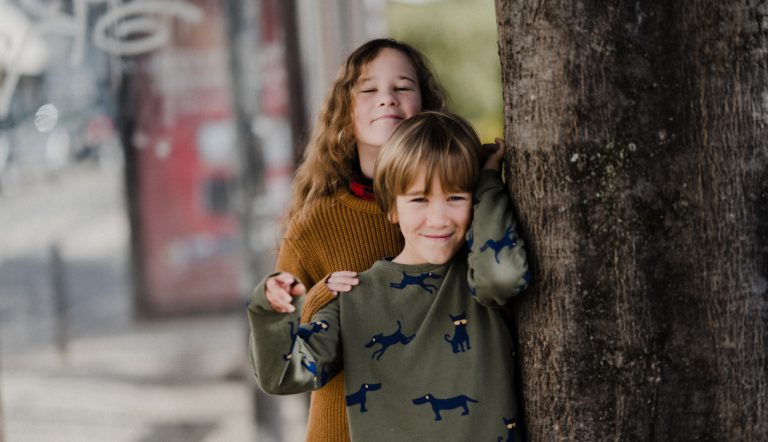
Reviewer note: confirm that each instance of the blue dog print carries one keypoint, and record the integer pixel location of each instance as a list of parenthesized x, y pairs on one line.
[(445, 404), (315, 327), (460, 340), (416, 280), (359, 397), (508, 240), (527, 279), (324, 375), (511, 425), (385, 341), (470, 239), (309, 365)]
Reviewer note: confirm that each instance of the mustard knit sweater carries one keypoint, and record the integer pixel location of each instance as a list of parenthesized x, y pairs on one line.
[(340, 233)]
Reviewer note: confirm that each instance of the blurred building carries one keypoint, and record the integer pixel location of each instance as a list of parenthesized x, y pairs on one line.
[(218, 117)]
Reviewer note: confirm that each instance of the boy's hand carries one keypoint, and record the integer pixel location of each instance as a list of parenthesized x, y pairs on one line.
[(496, 154), (281, 289), (341, 282)]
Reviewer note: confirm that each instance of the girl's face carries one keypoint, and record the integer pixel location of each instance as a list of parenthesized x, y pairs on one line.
[(386, 93)]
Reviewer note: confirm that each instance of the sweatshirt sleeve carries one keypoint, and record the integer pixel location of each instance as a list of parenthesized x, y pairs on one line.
[(498, 267), (289, 358)]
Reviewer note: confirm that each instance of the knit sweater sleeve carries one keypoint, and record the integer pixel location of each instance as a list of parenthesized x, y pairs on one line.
[(289, 358), (498, 266), (316, 298), (291, 259)]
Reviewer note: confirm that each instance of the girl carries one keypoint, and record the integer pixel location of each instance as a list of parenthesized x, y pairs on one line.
[(333, 220)]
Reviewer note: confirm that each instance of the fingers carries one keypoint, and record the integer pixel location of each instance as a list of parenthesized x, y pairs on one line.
[(341, 282), (494, 160), (490, 148), (343, 275), (297, 289), (280, 290), (486, 150)]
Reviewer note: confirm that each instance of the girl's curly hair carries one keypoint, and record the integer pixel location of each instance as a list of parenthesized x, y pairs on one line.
[(330, 158)]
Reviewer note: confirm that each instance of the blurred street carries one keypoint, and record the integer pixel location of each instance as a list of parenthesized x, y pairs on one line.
[(88, 371)]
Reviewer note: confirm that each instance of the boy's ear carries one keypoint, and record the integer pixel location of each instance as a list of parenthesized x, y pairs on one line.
[(392, 216)]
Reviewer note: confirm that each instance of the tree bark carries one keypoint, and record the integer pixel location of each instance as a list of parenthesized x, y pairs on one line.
[(637, 155)]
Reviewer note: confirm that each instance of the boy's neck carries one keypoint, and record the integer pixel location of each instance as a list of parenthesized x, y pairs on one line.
[(399, 259)]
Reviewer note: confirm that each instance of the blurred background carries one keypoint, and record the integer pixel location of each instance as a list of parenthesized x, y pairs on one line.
[(146, 154)]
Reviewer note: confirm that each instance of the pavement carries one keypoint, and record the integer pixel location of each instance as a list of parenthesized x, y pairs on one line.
[(91, 371), (179, 379)]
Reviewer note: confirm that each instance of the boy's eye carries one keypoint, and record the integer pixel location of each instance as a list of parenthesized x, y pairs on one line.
[(457, 198), (418, 199), (367, 91), (403, 88)]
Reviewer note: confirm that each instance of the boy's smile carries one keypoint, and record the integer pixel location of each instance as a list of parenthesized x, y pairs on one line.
[(434, 226)]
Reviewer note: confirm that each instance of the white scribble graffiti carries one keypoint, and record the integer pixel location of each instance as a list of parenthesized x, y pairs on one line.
[(127, 28), (134, 19)]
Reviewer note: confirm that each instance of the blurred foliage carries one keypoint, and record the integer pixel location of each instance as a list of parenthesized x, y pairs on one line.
[(460, 39)]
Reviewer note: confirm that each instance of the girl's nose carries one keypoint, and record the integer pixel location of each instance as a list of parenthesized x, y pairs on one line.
[(387, 99)]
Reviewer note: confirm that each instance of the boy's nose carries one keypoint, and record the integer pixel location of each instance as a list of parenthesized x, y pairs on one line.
[(436, 217)]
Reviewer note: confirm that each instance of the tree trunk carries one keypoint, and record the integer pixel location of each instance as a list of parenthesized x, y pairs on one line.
[(638, 160)]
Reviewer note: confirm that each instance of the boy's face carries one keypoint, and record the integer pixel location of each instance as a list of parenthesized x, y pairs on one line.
[(434, 226)]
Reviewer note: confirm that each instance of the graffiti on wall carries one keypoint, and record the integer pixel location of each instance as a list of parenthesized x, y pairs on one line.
[(125, 29)]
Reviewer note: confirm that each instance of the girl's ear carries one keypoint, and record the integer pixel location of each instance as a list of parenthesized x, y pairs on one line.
[(392, 216)]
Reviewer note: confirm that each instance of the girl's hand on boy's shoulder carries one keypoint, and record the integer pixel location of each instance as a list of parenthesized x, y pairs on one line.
[(495, 154), (341, 282), (280, 291)]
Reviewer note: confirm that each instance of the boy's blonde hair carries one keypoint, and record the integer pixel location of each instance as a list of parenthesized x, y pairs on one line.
[(440, 143), (330, 159)]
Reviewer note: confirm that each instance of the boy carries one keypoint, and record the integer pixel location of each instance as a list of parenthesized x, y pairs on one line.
[(425, 353)]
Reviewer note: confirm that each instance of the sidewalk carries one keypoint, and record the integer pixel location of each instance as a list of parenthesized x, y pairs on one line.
[(177, 380)]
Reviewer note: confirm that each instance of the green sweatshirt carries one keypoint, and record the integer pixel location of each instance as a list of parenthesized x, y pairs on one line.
[(424, 348)]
